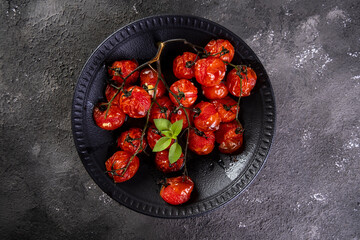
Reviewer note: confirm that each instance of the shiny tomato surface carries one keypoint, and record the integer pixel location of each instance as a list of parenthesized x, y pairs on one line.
[(163, 164), (129, 140), (186, 92), (148, 79), (226, 108), (229, 137), (201, 143), (216, 46), (120, 69), (135, 102), (210, 71), (153, 135), (118, 161), (183, 65), (114, 119), (215, 92), (248, 82), (180, 115), (177, 190), (162, 111), (206, 117)]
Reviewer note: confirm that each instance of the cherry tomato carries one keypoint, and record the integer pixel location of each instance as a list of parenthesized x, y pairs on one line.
[(226, 108), (110, 92), (163, 164), (177, 190), (153, 135), (186, 91), (180, 114), (118, 161), (129, 140), (201, 143), (229, 136), (206, 117), (183, 65), (215, 92), (120, 69), (248, 82), (135, 102), (210, 71), (148, 78), (216, 46), (163, 111), (114, 119)]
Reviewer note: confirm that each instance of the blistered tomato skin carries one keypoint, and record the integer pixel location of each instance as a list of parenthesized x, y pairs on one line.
[(216, 46), (208, 119), (135, 102), (210, 71), (180, 115), (148, 78), (163, 164), (110, 92), (162, 111), (215, 92), (177, 190), (248, 82), (129, 140), (118, 161), (153, 135), (121, 69), (229, 139), (226, 108), (114, 119), (186, 91), (180, 68), (201, 143)]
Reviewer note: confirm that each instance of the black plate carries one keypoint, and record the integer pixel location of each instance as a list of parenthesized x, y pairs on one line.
[(218, 178)]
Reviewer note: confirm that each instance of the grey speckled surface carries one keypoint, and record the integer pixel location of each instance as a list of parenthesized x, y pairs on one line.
[(310, 185)]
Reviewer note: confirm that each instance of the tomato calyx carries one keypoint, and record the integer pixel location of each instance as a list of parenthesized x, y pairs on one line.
[(239, 130), (197, 111), (127, 93), (200, 133), (130, 139)]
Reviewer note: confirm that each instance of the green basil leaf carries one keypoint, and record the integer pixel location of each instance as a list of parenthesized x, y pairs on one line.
[(162, 144), (162, 124), (167, 133), (174, 152), (176, 127)]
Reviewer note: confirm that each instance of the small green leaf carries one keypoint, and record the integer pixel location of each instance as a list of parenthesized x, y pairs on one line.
[(167, 133), (162, 144), (174, 152), (176, 127), (162, 124)]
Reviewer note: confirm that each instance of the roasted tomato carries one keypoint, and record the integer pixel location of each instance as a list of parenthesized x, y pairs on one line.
[(129, 140), (229, 136), (177, 190), (114, 119), (186, 92), (163, 164), (206, 118), (226, 108), (201, 143), (183, 65), (148, 79), (219, 47), (119, 161), (135, 102), (215, 92), (110, 92), (248, 82), (162, 111), (153, 135), (180, 114), (120, 69), (210, 71)]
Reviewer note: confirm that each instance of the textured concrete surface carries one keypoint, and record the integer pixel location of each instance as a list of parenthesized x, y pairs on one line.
[(309, 188)]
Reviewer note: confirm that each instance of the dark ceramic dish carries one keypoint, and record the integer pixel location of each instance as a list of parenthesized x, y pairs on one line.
[(218, 178)]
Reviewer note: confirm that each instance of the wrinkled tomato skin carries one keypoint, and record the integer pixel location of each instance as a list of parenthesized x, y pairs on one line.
[(208, 119), (179, 66), (180, 115), (177, 190), (201, 145), (215, 46), (163, 164), (110, 92), (226, 108), (119, 160), (137, 104), (210, 71), (186, 87), (153, 135), (248, 82), (215, 92), (126, 66), (114, 119), (148, 78), (126, 146), (227, 137), (156, 112)]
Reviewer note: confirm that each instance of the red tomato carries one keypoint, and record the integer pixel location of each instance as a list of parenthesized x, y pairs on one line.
[(180, 114), (186, 91), (153, 135), (148, 78), (129, 140), (210, 71), (163, 164), (248, 82), (180, 68), (120, 69), (163, 111), (229, 136), (201, 143), (215, 92), (114, 119), (177, 190), (207, 118), (216, 46), (118, 161), (135, 102), (226, 108), (110, 92)]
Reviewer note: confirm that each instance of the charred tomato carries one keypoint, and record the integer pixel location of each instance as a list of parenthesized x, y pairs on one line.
[(210, 71), (206, 117), (222, 49), (119, 70), (186, 92), (229, 136), (180, 114), (177, 190), (130, 140), (135, 102), (115, 117), (161, 109), (215, 92), (248, 78), (226, 108), (116, 163), (183, 65), (148, 79), (163, 164)]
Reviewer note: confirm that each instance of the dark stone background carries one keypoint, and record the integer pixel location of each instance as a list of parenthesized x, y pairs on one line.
[(309, 187)]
